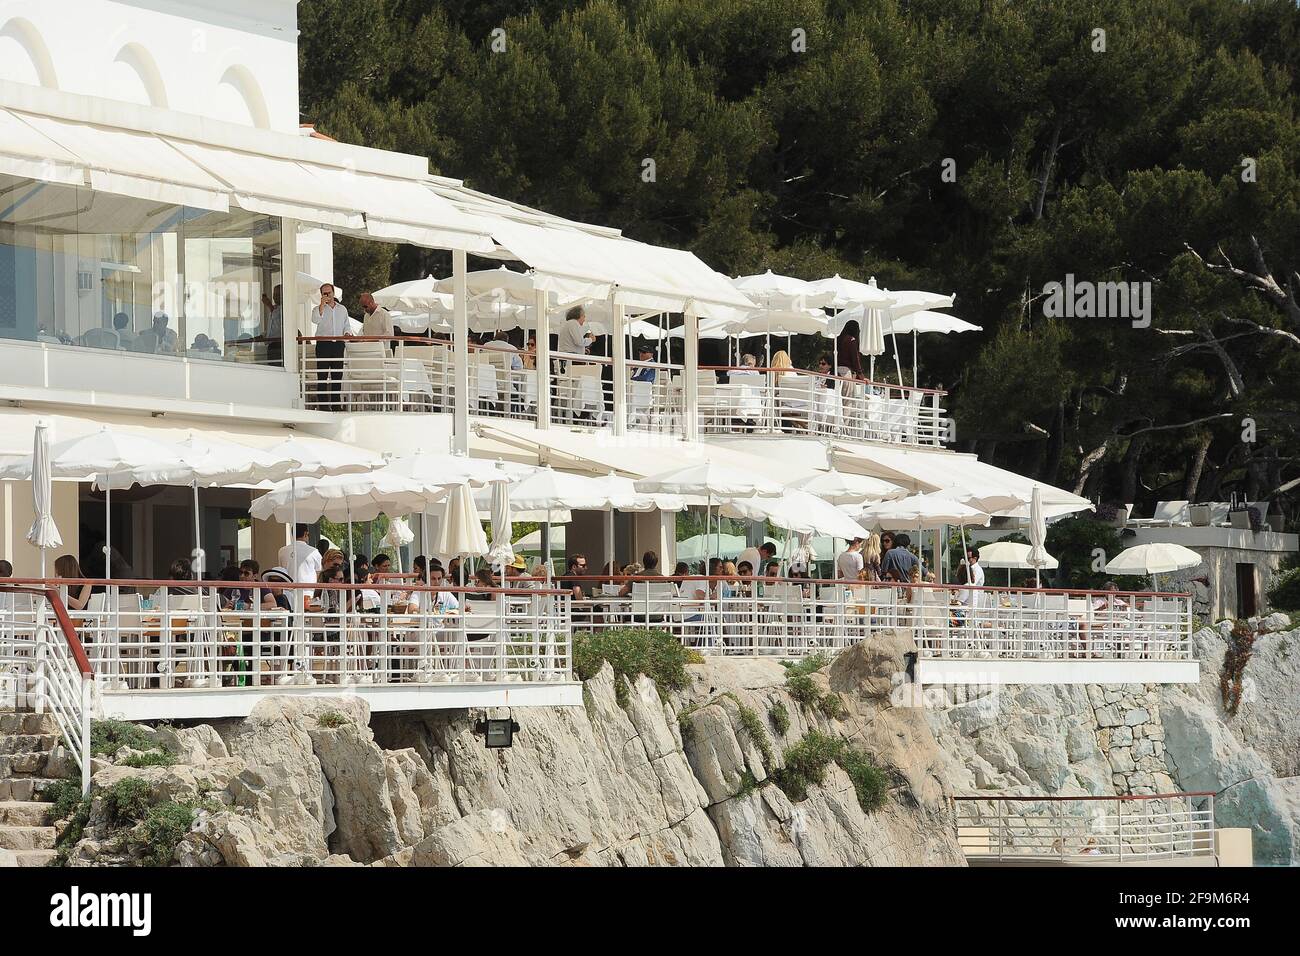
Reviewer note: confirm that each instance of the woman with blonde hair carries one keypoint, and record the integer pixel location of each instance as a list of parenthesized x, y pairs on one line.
[(781, 360), (870, 559)]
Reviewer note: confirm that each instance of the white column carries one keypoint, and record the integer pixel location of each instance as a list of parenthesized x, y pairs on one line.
[(291, 306), (460, 352), (543, 361), (690, 369), (617, 328)]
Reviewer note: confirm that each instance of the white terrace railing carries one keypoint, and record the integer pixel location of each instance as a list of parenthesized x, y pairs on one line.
[(798, 617), (764, 401), (413, 374), (145, 635), (44, 668), (1098, 830)]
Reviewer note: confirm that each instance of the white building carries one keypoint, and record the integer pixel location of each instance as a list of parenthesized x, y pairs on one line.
[(162, 216)]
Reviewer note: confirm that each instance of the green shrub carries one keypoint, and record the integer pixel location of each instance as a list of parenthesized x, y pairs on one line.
[(748, 783), (108, 736), (832, 705), (163, 827), (77, 818), (806, 763), (754, 729), (1284, 592), (148, 758), (807, 760), (632, 651), (127, 801), (806, 666), (803, 689), (65, 795), (333, 719), (780, 717), (869, 781)]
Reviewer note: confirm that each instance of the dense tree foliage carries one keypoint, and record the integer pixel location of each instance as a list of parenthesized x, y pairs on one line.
[(812, 136)]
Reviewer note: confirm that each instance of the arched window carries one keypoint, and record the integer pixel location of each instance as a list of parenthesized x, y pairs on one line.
[(239, 99), (24, 58), (134, 77)]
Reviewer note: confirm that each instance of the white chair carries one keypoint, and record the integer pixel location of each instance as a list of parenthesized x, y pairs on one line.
[(794, 400), (655, 602), (485, 633), (101, 339), (365, 374), (483, 384), (640, 409), (1167, 513)]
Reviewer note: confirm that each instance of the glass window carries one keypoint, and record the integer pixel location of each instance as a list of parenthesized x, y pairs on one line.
[(83, 268)]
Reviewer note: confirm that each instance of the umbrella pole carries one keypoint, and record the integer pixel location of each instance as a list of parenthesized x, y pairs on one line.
[(347, 615), (108, 535), (609, 543), (424, 544), (897, 365), (198, 540), (914, 344)]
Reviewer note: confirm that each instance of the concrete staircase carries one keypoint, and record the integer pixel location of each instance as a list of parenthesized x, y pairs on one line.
[(26, 769)]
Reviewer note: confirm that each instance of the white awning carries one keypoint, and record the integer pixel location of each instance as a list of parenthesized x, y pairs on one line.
[(27, 154), (576, 260), (960, 476), (277, 187), (131, 163)]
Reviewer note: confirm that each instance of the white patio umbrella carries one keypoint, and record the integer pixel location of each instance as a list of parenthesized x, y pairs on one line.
[(318, 458), (43, 534), (797, 512), (842, 488), (1153, 559), (849, 293), (796, 300), (928, 321), (415, 295), (623, 496), (710, 481), (110, 458), (1010, 555), (1037, 535), (924, 512)]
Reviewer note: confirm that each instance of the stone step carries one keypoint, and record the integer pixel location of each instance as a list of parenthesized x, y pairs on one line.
[(22, 764), (34, 857), (24, 813), (24, 788), (27, 743), (27, 838), (18, 722)]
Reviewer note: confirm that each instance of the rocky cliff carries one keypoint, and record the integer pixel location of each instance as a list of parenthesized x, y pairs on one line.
[(744, 766), (738, 768)]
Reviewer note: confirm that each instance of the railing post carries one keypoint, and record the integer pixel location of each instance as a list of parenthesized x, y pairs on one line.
[(1119, 828), (42, 669), (84, 743), (460, 347), (617, 327), (691, 372)]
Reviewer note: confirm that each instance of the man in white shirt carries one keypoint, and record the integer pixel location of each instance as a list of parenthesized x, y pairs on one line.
[(849, 563), (501, 343), (573, 337), (301, 560), (331, 320), (974, 577), (377, 320)]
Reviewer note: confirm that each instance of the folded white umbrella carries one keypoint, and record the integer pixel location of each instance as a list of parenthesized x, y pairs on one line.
[(1037, 534), (842, 488), (1155, 558), (43, 534), (460, 533), (500, 552)]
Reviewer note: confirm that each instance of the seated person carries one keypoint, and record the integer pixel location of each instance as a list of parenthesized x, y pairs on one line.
[(501, 343), (644, 373), (576, 568), (67, 566), (484, 578), (273, 597), (439, 602), (180, 570), (898, 562), (125, 334), (649, 566), (229, 599)]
